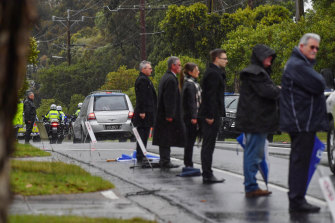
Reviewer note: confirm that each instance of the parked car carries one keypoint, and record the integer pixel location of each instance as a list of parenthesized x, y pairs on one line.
[(109, 113), (227, 126)]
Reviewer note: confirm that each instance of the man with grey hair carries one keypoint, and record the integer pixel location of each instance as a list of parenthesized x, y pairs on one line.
[(169, 128), (146, 106), (302, 114), (29, 110)]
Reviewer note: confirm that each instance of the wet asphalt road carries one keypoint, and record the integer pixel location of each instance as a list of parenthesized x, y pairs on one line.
[(167, 198)]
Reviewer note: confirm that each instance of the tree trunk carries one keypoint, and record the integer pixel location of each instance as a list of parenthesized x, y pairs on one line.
[(16, 19)]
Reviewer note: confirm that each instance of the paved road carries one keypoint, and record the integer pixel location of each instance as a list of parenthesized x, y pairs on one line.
[(167, 198)]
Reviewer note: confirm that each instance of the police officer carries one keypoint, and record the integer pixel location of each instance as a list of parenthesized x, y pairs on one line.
[(78, 110), (53, 113), (59, 109)]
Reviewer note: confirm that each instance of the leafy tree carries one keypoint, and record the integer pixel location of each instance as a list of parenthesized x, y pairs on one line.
[(161, 68), (44, 107), (75, 99), (122, 79), (61, 82)]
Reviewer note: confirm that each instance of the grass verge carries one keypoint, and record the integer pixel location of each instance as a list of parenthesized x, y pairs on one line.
[(69, 219), (27, 150), (41, 178)]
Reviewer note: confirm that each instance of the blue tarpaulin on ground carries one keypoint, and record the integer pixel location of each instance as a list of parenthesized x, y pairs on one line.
[(125, 157)]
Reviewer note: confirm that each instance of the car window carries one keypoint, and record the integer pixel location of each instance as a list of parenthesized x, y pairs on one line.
[(233, 104), (231, 101), (110, 103)]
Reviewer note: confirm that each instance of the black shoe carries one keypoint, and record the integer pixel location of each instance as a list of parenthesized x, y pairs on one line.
[(212, 180), (305, 207), (26, 142), (168, 166)]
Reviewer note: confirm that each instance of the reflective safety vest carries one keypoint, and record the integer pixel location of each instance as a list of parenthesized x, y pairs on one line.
[(62, 115), (18, 119), (53, 114), (77, 113)]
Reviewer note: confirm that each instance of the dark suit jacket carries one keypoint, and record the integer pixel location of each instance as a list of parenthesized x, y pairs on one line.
[(169, 105), (146, 102), (213, 88)]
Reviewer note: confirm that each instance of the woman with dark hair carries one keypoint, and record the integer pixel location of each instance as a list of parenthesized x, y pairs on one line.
[(191, 99)]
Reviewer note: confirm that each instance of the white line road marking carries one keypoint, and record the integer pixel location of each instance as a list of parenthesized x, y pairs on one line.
[(109, 194)]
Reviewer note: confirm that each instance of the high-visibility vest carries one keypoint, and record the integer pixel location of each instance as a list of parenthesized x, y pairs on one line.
[(77, 113), (53, 114)]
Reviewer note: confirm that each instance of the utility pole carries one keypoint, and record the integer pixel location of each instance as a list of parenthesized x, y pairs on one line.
[(68, 24), (299, 9), (210, 6), (143, 37), (251, 3), (143, 33)]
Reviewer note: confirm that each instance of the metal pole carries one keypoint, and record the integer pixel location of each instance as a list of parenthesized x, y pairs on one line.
[(143, 36), (68, 38), (299, 6)]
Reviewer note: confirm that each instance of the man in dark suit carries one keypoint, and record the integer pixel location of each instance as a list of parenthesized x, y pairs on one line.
[(29, 109), (169, 128), (146, 106), (212, 107)]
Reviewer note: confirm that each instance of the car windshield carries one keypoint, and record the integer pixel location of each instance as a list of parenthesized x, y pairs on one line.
[(231, 102), (110, 103)]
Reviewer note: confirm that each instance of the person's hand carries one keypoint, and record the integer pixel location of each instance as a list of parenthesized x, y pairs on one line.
[(279, 86), (194, 121), (142, 115), (29, 122), (209, 121), (169, 119)]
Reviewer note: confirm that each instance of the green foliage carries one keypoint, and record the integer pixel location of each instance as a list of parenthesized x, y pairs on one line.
[(61, 82), (41, 178), (122, 79), (27, 150), (191, 30), (132, 96), (161, 68), (33, 51), (44, 107), (75, 99)]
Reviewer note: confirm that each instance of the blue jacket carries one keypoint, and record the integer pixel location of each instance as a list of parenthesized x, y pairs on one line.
[(302, 100)]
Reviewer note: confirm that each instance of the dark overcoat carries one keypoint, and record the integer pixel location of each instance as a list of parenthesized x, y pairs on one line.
[(146, 102), (302, 100), (213, 88), (257, 110), (189, 101), (169, 105), (29, 109)]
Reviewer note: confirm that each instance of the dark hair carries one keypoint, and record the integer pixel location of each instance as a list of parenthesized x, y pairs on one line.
[(216, 53), (188, 67)]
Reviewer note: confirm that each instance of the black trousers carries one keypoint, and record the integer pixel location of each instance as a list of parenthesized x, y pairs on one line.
[(144, 134), (191, 135), (209, 133), (164, 153), (301, 151), (29, 129)]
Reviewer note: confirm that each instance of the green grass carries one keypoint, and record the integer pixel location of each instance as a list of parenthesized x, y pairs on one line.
[(40, 178), (27, 150), (69, 219)]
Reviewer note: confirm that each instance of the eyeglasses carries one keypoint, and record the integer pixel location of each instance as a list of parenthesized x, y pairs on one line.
[(314, 47), (223, 58), (179, 65)]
